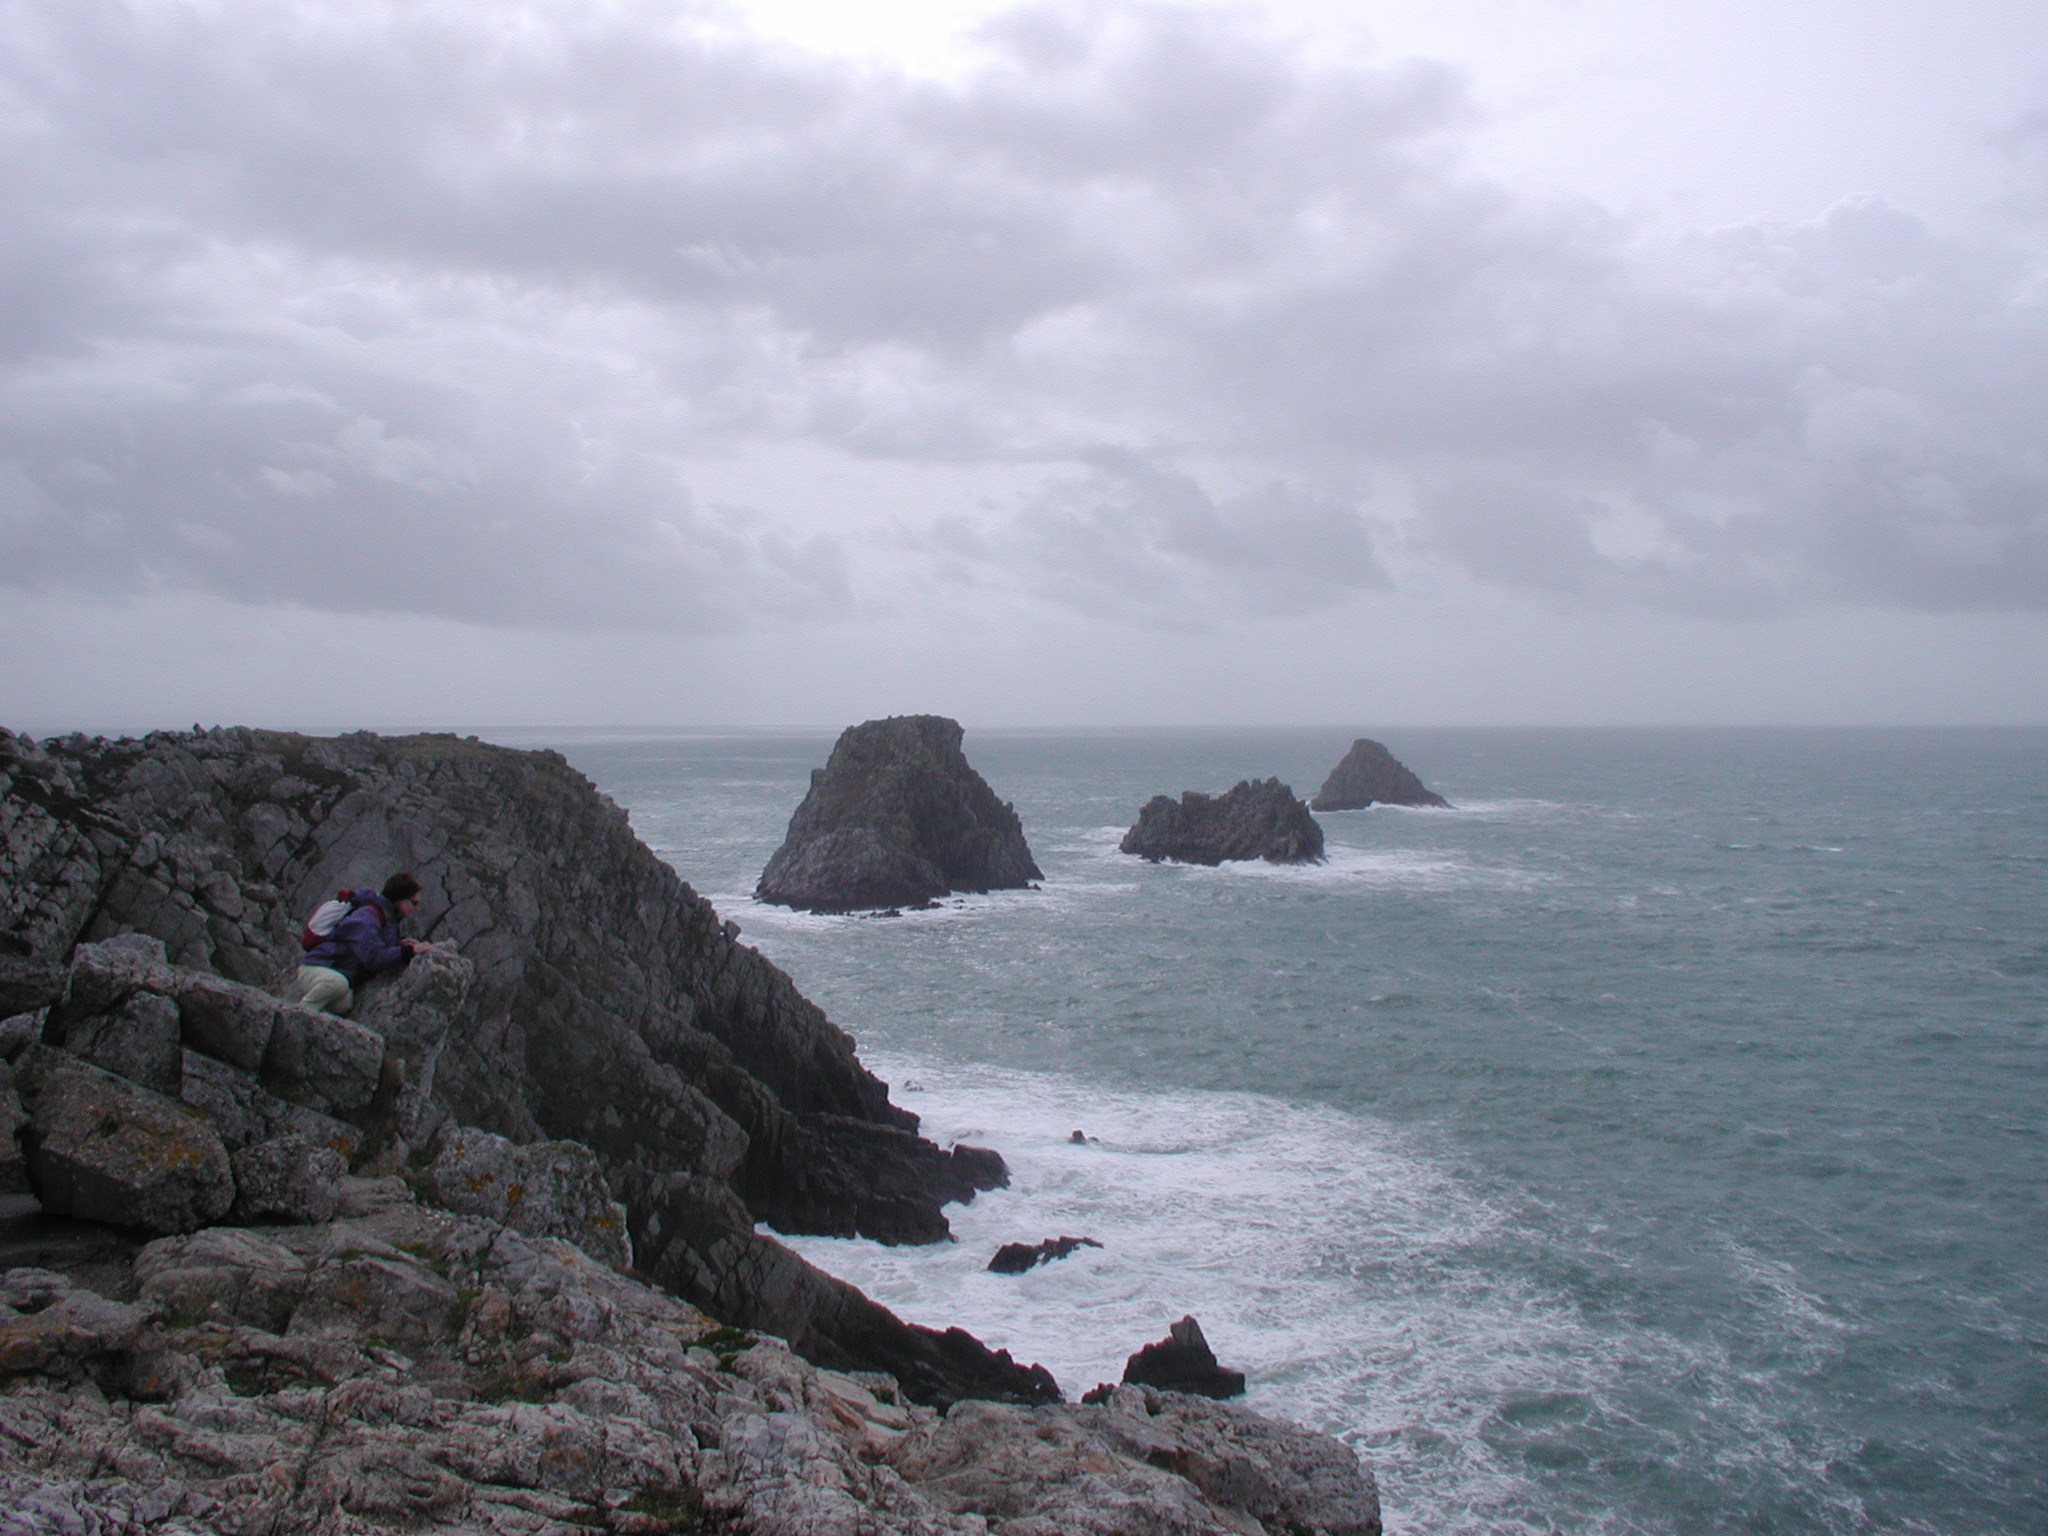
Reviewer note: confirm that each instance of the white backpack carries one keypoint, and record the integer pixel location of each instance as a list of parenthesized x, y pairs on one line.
[(326, 918)]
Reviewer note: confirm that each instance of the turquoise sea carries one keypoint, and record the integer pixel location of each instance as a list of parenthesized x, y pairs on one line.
[(1652, 1143)]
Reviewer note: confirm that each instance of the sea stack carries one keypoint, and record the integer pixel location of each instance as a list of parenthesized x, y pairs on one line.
[(1257, 819), (1371, 775), (896, 818)]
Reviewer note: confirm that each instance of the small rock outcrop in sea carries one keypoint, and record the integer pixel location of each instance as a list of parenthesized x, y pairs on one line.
[(1015, 1258), (896, 818), (1183, 1362), (1371, 775), (1257, 819)]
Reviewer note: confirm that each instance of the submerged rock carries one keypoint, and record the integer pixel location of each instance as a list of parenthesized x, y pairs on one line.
[(896, 817), (1256, 819), (1371, 775), (1016, 1258)]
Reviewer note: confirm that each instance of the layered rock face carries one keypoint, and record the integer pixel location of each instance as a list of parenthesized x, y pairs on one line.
[(404, 1368), (600, 1001), (1371, 775), (896, 818), (1256, 819)]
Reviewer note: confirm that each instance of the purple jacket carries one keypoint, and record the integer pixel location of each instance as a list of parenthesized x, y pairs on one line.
[(366, 941)]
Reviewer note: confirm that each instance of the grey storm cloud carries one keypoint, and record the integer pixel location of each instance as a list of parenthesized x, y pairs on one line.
[(427, 308)]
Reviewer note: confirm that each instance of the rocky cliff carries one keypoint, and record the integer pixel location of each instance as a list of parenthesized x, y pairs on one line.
[(609, 1005), (263, 1269), (1371, 775), (1254, 820), (401, 1367), (895, 818)]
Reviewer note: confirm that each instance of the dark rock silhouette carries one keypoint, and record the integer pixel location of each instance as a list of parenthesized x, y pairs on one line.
[(1015, 1258), (1371, 775), (896, 818), (1257, 819), (1183, 1362), (595, 998)]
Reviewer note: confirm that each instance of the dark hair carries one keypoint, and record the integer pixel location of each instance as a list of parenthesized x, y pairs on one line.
[(401, 886)]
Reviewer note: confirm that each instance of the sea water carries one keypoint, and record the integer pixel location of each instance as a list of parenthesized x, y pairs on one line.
[(1651, 1143)]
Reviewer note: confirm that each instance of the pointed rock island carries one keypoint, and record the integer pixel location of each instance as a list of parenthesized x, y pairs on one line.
[(896, 818), (1256, 819), (1371, 775)]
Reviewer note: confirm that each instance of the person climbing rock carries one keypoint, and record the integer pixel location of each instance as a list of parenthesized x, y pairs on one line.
[(365, 942)]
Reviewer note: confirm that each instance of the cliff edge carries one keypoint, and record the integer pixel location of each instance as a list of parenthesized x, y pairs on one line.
[(610, 1005), (897, 817)]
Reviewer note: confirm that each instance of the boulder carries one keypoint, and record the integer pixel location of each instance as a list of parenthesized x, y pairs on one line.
[(27, 984), (13, 1121), (546, 1189), (47, 1324), (226, 1020), (137, 1040), (105, 1149), (286, 1178), (896, 818), (324, 1062), (1183, 1362), (1016, 1258), (1256, 819), (1371, 775)]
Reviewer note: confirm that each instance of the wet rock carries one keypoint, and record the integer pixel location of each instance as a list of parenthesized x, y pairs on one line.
[(896, 817), (545, 1189), (1016, 1258), (105, 1149), (1183, 1362), (1255, 819), (1371, 775), (286, 1178)]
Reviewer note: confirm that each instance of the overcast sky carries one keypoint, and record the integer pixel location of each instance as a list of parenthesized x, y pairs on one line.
[(651, 363)]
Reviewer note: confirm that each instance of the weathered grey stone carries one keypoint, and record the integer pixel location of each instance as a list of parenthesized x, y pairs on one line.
[(896, 816), (20, 1031), (105, 1149), (28, 984), (1370, 774), (286, 1178), (226, 1020), (103, 975), (546, 1189), (137, 1040), (224, 1275), (413, 1010), (241, 1110), (323, 1062), (611, 1005), (1253, 820), (47, 1324), (13, 1121), (1183, 1362)]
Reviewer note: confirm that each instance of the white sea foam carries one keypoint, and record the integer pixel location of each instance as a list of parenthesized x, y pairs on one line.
[(1333, 1259)]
